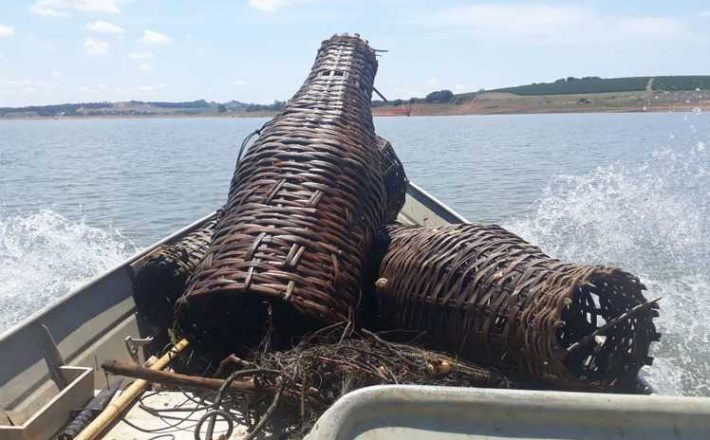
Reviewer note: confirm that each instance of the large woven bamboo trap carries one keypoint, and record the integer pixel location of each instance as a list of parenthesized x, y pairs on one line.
[(303, 208), (162, 277), (486, 294)]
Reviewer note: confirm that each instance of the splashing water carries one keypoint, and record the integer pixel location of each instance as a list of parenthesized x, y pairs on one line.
[(43, 256), (652, 220)]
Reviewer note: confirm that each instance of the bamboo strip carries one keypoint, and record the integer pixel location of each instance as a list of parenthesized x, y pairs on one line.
[(116, 408)]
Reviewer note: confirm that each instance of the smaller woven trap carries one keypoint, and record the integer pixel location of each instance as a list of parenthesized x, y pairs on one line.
[(162, 277), (395, 179), (489, 296)]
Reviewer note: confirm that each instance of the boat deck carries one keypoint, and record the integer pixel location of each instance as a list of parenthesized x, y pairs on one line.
[(167, 415)]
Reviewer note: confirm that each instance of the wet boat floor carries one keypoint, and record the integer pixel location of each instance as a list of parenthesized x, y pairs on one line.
[(169, 415)]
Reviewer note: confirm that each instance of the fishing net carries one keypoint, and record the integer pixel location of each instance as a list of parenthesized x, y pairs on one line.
[(486, 294), (162, 276), (303, 208)]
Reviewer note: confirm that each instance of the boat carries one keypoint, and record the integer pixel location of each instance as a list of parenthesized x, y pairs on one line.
[(51, 361)]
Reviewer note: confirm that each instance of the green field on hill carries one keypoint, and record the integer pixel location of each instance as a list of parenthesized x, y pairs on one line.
[(571, 85)]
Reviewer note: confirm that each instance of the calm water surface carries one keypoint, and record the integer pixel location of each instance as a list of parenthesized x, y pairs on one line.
[(77, 196)]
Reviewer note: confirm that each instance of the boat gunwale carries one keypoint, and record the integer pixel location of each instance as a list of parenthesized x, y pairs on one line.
[(451, 215), (37, 316)]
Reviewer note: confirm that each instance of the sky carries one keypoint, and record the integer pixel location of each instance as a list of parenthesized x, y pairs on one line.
[(59, 51)]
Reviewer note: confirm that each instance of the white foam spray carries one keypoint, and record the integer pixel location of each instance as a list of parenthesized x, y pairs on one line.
[(652, 219), (43, 256)]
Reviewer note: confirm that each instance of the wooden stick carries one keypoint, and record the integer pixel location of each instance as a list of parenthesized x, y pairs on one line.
[(116, 408), (613, 322), (130, 369)]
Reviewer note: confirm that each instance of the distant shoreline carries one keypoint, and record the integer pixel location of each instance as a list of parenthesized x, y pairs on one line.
[(491, 103), (421, 113), (156, 116), (588, 94)]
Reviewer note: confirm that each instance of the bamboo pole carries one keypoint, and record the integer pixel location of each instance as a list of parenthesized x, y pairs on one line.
[(115, 408), (198, 382), (174, 379)]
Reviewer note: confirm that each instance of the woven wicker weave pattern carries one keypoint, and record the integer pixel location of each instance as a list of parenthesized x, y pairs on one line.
[(162, 277), (490, 296), (306, 199), (394, 177)]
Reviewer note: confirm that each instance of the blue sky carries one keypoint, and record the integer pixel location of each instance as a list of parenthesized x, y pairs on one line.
[(54, 51)]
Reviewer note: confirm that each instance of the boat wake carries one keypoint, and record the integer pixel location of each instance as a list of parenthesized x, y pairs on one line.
[(652, 219), (43, 256)]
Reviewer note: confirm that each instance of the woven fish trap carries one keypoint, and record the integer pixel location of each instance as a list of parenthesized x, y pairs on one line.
[(163, 275), (303, 208), (394, 177), (486, 294)]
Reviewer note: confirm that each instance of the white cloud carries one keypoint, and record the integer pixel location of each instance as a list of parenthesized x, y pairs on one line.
[(104, 27), (705, 13), (63, 8), (494, 18), (433, 82), (239, 82), (147, 55), (267, 5), (56, 74), (144, 60), (542, 23), (6, 31), (655, 28), (26, 85), (49, 8), (151, 88), (275, 5), (95, 47), (153, 37), (98, 88), (18, 83)]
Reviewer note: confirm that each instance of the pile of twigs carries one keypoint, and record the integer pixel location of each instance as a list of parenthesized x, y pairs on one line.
[(326, 365), (300, 383), (334, 361)]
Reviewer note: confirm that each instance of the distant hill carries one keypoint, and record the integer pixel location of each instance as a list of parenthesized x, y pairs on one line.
[(567, 95), (594, 84), (674, 83), (137, 108), (605, 94)]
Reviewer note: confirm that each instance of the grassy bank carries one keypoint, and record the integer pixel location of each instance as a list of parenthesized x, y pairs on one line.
[(508, 103)]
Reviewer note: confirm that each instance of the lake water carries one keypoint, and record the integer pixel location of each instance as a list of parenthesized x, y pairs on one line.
[(633, 190)]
